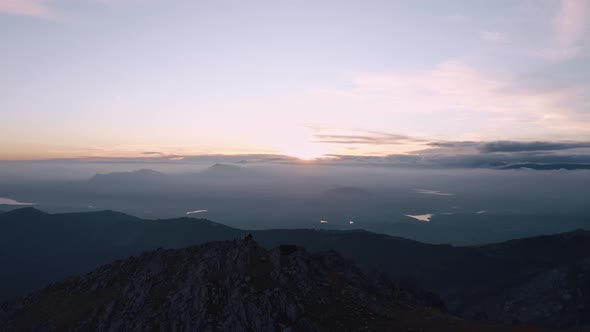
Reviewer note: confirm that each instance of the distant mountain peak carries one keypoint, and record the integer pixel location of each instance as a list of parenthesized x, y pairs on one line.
[(225, 169), (146, 171), (110, 214), (219, 166)]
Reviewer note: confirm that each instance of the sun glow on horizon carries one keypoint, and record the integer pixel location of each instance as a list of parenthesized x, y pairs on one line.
[(304, 154), (306, 150), (298, 142)]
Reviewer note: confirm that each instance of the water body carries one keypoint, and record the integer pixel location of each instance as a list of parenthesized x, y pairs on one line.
[(421, 217), (432, 192), (8, 201), (196, 211)]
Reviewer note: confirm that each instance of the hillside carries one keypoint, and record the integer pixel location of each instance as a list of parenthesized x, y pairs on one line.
[(232, 286), (540, 279)]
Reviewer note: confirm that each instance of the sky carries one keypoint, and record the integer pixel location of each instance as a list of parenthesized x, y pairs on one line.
[(131, 78)]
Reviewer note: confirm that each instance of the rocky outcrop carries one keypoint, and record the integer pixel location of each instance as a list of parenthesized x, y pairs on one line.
[(541, 280), (221, 286)]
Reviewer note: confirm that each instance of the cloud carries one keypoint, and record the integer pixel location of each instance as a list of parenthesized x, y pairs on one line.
[(442, 155), (158, 154), (453, 144), (456, 18), (491, 36), (496, 106), (478, 160), (33, 8), (372, 138), (571, 24), (448, 85), (511, 146), (482, 154), (570, 30)]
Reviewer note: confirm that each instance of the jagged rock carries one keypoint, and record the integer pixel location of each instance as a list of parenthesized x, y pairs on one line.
[(220, 286)]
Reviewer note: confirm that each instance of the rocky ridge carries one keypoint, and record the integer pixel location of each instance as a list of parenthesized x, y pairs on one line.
[(221, 286)]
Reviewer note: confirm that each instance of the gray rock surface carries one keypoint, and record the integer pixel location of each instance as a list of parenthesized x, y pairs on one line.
[(220, 286)]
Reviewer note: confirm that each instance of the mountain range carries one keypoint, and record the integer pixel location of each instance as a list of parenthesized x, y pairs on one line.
[(542, 280), (515, 204)]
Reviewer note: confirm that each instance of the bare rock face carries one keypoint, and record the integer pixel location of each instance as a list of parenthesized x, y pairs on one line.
[(221, 286)]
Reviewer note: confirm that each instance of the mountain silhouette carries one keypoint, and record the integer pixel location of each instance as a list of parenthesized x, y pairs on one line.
[(225, 169), (229, 286), (546, 167), (233, 286), (501, 281)]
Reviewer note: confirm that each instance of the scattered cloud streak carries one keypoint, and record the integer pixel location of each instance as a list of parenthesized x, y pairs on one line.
[(571, 27), (453, 144), (492, 36), (493, 103), (372, 138), (157, 154), (154, 153), (456, 18), (32, 8), (436, 154), (511, 146)]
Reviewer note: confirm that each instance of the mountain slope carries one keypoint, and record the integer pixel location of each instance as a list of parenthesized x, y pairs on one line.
[(37, 248), (225, 286), (225, 169), (500, 281)]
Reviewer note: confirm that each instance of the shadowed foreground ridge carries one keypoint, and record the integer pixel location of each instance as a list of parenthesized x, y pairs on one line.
[(543, 280), (230, 286)]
